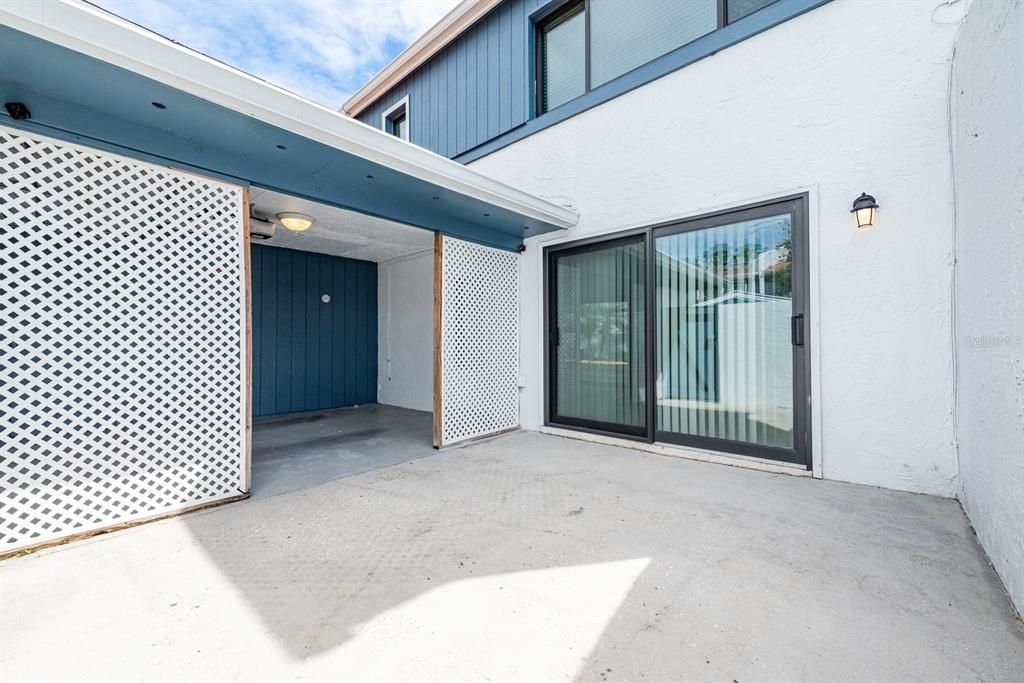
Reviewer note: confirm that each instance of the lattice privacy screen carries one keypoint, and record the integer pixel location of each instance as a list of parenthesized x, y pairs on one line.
[(479, 340), (121, 348)]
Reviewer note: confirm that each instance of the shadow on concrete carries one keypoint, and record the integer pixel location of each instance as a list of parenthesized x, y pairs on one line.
[(666, 569)]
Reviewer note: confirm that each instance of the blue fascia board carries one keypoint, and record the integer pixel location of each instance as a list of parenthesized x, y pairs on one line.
[(747, 27), (87, 101)]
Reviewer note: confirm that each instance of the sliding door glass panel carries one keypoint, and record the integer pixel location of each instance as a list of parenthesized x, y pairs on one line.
[(563, 58), (598, 338), (724, 362), (625, 34)]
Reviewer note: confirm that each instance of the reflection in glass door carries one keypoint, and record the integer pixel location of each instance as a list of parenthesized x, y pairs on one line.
[(596, 337), (724, 333)]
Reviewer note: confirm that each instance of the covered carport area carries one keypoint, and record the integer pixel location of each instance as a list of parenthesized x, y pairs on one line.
[(342, 342), (134, 172)]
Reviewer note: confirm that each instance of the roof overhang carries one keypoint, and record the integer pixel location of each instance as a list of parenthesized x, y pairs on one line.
[(462, 17), (90, 77)]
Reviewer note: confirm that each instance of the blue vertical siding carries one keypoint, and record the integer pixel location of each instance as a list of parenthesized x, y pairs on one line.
[(472, 91), (308, 355)]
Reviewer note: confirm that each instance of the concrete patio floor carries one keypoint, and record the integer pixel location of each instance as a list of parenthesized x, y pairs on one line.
[(525, 557), (299, 451)]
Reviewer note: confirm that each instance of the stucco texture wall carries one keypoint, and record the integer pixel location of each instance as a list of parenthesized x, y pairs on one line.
[(849, 97), (989, 162)]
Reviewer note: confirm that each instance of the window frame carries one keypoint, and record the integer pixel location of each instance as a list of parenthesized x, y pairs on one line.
[(394, 112), (557, 10)]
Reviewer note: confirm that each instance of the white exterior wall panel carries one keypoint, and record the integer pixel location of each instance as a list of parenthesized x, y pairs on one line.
[(405, 349), (849, 97), (989, 143)]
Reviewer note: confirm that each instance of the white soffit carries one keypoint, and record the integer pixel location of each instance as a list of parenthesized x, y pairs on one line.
[(104, 36), (339, 232)]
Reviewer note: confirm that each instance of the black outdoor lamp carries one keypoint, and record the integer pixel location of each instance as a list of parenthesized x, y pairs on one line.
[(864, 206)]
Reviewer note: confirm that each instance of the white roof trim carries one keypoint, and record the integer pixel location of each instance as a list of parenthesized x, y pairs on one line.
[(465, 14), (97, 33)]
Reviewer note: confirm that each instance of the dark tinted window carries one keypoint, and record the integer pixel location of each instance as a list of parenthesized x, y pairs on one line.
[(625, 34), (563, 44), (398, 126)]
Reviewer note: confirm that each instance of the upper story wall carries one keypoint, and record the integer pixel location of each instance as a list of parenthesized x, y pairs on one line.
[(478, 94), (472, 91)]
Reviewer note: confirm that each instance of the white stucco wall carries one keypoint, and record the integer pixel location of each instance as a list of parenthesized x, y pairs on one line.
[(405, 366), (849, 97), (989, 156)]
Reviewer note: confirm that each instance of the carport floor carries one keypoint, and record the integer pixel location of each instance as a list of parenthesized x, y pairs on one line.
[(529, 557), (298, 451)]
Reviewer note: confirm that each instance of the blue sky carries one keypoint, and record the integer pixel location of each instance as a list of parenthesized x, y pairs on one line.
[(320, 49)]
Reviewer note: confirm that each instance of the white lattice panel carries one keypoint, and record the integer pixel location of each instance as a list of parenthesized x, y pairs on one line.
[(479, 340), (121, 347)]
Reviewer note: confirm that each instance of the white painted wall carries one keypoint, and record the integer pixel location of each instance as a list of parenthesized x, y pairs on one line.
[(989, 163), (849, 97), (405, 324)]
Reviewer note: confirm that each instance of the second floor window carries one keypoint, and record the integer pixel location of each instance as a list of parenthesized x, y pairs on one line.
[(587, 43), (396, 119), (563, 56)]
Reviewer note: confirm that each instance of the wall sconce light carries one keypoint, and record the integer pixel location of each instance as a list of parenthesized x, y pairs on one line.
[(864, 207), (296, 222)]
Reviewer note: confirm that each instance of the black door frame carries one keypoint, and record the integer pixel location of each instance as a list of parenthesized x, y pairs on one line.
[(796, 206)]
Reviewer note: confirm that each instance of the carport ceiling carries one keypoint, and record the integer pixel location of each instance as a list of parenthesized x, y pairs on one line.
[(339, 232)]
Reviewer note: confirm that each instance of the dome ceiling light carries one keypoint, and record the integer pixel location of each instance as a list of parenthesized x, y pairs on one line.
[(296, 222)]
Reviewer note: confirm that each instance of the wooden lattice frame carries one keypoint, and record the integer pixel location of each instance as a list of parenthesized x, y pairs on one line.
[(123, 350)]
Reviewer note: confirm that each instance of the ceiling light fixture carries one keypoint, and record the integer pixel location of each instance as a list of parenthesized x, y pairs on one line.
[(296, 222)]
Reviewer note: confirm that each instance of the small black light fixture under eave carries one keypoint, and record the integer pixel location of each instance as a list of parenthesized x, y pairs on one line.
[(864, 209)]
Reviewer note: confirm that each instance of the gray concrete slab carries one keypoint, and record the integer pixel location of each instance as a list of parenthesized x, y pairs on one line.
[(526, 557), (299, 451)]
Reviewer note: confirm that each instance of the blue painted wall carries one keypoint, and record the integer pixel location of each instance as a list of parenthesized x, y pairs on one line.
[(477, 95), (307, 354)]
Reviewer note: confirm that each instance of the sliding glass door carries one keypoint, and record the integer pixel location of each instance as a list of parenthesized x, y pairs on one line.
[(596, 337), (690, 333)]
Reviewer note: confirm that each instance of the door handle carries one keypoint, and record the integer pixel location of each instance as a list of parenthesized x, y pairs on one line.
[(796, 329)]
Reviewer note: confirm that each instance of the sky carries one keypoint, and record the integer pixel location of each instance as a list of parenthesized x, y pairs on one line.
[(323, 50)]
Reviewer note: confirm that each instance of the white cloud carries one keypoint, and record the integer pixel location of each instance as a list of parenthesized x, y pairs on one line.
[(320, 49)]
